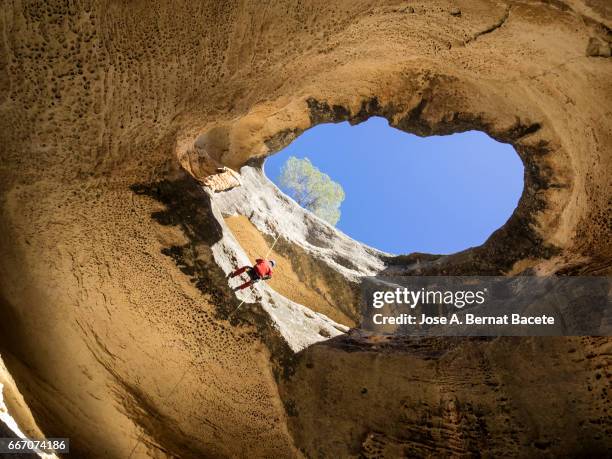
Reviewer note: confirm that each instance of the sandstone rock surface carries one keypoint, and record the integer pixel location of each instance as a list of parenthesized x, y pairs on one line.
[(114, 308)]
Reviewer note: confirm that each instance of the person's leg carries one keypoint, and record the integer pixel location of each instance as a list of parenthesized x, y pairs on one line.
[(239, 271), (245, 285), (253, 277)]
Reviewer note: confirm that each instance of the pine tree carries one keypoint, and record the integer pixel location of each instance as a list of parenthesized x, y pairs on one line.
[(312, 189)]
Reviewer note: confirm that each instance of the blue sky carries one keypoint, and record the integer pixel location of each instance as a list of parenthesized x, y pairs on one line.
[(404, 193)]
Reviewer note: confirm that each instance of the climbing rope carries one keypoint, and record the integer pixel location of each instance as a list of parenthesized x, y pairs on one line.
[(178, 383), (265, 256), (167, 397), (270, 249)]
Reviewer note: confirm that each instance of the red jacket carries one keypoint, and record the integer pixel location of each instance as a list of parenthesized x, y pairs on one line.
[(263, 268)]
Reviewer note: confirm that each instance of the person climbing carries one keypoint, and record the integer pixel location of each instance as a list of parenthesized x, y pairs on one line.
[(262, 270)]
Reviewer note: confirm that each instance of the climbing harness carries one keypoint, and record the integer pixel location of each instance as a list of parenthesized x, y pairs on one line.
[(265, 257)]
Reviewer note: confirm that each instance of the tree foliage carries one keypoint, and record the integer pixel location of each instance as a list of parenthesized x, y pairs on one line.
[(312, 189)]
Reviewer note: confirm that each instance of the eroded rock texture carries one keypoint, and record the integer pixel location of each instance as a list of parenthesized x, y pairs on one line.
[(113, 302)]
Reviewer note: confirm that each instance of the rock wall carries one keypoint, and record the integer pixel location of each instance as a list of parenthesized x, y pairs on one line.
[(114, 310)]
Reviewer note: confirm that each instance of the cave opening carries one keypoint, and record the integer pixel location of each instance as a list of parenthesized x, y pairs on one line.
[(404, 193)]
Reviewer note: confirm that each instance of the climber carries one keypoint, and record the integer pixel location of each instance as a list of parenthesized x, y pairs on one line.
[(262, 270)]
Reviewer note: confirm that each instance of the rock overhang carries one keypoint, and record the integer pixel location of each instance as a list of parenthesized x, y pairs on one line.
[(78, 145), (438, 110)]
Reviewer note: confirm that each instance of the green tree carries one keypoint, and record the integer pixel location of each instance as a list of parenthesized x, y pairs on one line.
[(312, 189)]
